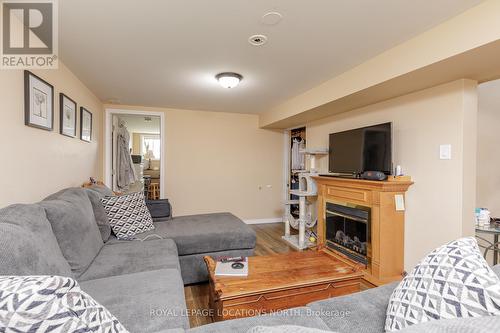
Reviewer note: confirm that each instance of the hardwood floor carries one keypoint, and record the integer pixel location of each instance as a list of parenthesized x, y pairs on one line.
[(269, 242)]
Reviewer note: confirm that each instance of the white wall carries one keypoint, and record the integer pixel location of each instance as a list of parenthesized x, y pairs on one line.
[(440, 204)]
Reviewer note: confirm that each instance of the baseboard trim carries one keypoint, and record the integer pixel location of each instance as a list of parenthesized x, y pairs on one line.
[(264, 221)]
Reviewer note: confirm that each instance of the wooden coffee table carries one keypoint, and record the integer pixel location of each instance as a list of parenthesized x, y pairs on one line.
[(280, 282)]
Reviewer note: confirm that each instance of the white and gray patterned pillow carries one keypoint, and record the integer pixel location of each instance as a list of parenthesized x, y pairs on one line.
[(128, 214), (51, 304), (453, 281), (285, 329)]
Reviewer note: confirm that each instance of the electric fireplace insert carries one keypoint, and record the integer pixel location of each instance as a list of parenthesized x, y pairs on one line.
[(348, 231)]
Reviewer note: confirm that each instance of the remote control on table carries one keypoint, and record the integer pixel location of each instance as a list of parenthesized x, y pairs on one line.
[(232, 259)]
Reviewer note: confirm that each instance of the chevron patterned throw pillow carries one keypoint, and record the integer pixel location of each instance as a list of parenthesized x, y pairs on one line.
[(51, 304), (453, 281), (128, 215)]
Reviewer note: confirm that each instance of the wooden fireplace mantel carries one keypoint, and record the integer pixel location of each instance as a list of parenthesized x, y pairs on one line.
[(387, 224)]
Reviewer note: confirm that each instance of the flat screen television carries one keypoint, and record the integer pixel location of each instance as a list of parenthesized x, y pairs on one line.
[(361, 149)]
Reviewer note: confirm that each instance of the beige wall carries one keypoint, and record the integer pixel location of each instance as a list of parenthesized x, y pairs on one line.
[(488, 159), (221, 162), (35, 162), (136, 143), (437, 211)]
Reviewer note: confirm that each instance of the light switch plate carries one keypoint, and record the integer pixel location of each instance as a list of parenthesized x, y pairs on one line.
[(445, 152), (400, 202)]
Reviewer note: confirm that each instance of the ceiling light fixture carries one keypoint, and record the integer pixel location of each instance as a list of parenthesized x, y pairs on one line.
[(229, 79)]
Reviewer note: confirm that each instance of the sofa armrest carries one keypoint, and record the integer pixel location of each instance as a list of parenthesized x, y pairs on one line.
[(360, 312)]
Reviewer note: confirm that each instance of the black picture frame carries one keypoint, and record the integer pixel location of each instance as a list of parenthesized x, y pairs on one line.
[(62, 114), (83, 136), (45, 92)]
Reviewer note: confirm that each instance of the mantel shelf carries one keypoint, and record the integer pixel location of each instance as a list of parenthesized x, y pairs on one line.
[(382, 186)]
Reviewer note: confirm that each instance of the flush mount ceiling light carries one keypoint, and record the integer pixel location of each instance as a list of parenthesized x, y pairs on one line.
[(229, 79)]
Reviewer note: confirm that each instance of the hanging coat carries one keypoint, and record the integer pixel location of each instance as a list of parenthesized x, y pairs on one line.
[(298, 161), (125, 172)]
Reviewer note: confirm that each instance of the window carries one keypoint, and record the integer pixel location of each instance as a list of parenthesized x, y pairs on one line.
[(151, 146)]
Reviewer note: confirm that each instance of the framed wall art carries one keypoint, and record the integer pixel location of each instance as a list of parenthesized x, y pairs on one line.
[(67, 110), (85, 124), (38, 102)]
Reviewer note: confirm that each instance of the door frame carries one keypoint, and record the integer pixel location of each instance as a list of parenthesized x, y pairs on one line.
[(108, 130)]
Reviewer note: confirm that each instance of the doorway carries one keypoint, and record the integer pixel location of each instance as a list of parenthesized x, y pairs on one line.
[(134, 152)]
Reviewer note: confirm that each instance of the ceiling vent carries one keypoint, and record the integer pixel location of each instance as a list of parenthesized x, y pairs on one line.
[(257, 40)]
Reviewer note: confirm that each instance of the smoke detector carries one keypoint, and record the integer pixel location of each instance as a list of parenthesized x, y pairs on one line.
[(257, 40)]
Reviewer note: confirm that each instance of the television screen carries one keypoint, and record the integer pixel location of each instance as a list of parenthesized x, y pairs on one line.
[(362, 149)]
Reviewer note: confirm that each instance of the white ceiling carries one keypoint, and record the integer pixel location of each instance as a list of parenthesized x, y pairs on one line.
[(166, 53), (137, 124)]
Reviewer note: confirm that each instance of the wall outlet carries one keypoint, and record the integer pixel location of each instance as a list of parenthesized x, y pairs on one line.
[(445, 152)]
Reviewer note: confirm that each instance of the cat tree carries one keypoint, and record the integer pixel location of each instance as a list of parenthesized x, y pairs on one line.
[(307, 212)]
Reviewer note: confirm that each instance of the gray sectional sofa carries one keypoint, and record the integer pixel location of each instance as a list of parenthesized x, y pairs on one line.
[(141, 281)]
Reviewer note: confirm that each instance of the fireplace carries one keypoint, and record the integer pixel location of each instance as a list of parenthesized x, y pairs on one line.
[(348, 231)]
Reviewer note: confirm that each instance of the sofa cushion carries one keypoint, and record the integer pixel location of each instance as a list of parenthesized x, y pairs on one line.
[(28, 245), (131, 257), (462, 325), (150, 301), (103, 190), (362, 312), (72, 218), (285, 329), (453, 281), (128, 214), (49, 304), (296, 316), (205, 233), (100, 215)]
